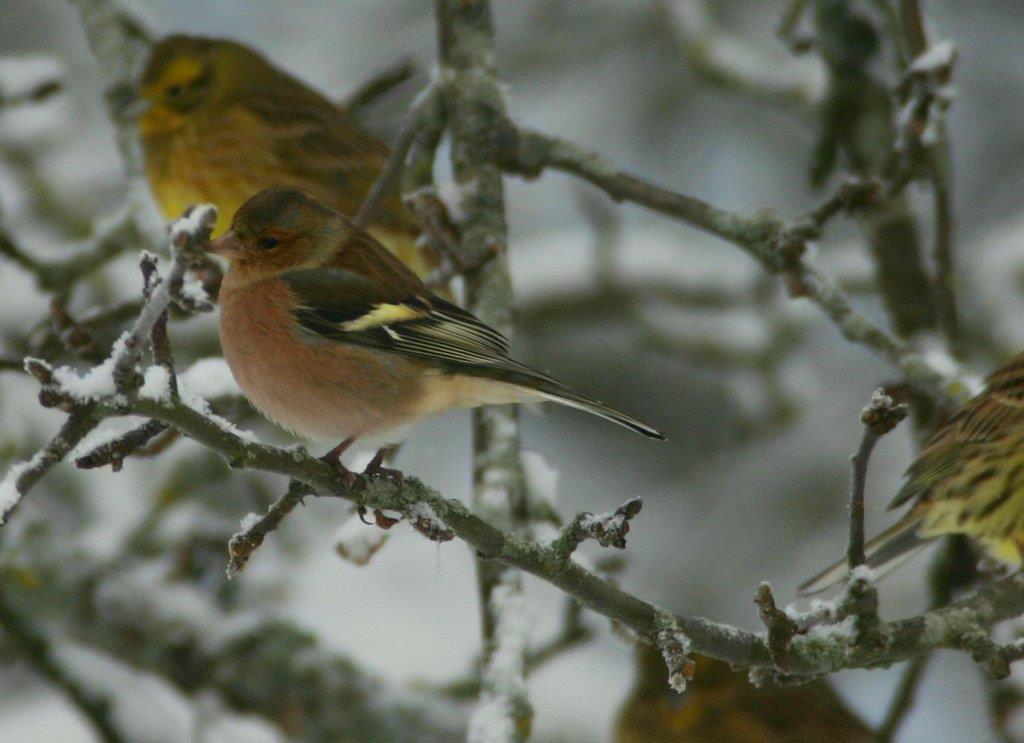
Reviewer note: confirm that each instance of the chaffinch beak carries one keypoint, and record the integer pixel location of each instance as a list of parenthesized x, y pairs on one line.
[(226, 246)]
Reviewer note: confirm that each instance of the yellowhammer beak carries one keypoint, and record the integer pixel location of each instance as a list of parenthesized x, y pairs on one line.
[(226, 246)]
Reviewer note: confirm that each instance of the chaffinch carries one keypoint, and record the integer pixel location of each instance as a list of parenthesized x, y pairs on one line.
[(334, 338)]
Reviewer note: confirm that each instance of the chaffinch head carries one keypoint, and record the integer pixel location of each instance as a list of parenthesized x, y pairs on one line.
[(334, 338)]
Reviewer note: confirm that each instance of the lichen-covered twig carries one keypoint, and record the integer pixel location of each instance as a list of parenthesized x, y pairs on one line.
[(874, 643), (781, 627), (482, 139), (607, 529), (808, 655), (255, 528), (676, 649)]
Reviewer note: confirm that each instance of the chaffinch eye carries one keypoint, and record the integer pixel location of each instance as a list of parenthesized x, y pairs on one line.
[(267, 242)]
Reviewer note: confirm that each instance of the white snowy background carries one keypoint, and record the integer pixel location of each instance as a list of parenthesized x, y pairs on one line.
[(721, 511)]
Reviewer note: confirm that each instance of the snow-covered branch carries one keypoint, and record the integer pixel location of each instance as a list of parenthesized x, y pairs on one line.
[(377, 86), (808, 654), (607, 529), (468, 100)]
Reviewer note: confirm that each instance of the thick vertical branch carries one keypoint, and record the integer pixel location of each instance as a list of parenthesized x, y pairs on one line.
[(476, 109)]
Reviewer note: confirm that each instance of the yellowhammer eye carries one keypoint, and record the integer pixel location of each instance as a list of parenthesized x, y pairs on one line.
[(175, 91)]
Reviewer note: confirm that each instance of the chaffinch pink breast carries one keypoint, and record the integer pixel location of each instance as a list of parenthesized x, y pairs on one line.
[(332, 337)]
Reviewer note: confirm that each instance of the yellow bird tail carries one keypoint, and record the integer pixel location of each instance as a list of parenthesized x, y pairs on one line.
[(883, 553)]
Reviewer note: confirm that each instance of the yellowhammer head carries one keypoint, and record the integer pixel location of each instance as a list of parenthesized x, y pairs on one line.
[(223, 123), (969, 479)]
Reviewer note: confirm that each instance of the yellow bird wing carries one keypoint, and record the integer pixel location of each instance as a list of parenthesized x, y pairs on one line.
[(981, 427), (317, 145)]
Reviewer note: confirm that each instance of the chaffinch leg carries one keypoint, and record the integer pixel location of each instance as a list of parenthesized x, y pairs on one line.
[(334, 455), (333, 458), (376, 469)]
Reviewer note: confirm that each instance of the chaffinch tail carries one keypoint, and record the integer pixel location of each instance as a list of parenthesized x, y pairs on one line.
[(334, 338)]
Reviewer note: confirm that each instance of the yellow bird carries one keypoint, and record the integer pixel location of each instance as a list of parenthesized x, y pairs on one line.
[(222, 123), (969, 479)]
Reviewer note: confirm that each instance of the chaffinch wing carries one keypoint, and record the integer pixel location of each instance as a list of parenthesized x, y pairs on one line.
[(333, 304)]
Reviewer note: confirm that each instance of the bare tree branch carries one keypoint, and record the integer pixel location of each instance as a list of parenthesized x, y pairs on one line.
[(112, 238), (422, 112), (37, 93), (607, 529), (880, 416), (903, 699), (469, 101), (254, 531), (777, 246), (734, 63), (22, 476)]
